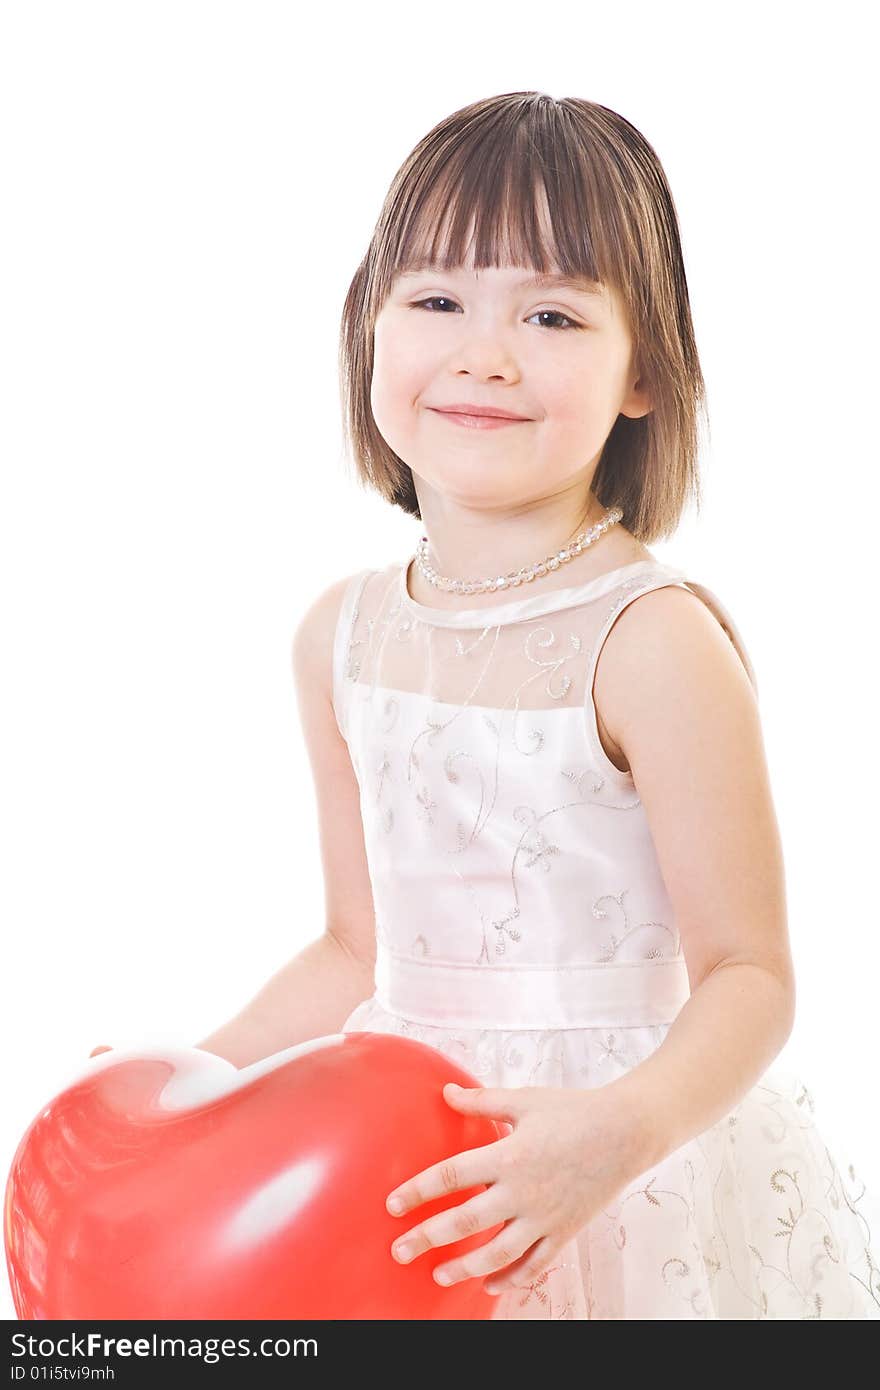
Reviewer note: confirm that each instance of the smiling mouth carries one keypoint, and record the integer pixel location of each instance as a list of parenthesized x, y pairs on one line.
[(477, 421)]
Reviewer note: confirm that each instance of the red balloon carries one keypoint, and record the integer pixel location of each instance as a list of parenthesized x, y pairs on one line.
[(169, 1184)]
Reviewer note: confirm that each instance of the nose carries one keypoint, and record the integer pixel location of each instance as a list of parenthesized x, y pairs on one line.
[(485, 358)]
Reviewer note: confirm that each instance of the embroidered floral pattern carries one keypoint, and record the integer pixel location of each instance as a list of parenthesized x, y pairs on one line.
[(501, 839), (719, 1229)]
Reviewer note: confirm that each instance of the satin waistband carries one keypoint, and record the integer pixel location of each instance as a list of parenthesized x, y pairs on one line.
[(613, 994)]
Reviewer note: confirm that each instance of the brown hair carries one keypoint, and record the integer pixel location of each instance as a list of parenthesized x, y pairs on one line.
[(612, 218)]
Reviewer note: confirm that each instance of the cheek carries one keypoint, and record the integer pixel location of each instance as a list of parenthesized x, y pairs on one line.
[(577, 395), (391, 394), (393, 390), (569, 406), (400, 376)]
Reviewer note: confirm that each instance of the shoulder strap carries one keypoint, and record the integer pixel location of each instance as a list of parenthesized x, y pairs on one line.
[(344, 669)]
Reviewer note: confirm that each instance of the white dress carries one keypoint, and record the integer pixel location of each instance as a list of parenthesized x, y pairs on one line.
[(523, 929)]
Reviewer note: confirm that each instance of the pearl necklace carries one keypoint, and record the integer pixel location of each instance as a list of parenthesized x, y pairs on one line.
[(515, 577)]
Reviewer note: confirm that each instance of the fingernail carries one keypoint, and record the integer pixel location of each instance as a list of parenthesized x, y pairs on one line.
[(403, 1252), (394, 1204)]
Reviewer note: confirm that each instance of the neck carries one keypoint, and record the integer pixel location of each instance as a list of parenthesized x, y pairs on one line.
[(469, 545), (553, 567)]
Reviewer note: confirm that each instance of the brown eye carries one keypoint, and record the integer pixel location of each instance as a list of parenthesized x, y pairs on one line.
[(547, 313), (555, 314), (433, 299)]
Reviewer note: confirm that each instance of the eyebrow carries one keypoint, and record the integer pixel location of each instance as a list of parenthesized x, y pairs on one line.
[(583, 284)]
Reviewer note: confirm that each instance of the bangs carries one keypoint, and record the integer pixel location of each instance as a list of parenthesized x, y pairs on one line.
[(506, 195)]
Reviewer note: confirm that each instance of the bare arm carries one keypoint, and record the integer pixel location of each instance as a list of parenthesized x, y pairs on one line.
[(680, 705), (313, 994), (309, 997), (720, 1044)]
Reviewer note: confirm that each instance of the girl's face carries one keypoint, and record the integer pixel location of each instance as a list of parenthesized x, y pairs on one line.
[(559, 354)]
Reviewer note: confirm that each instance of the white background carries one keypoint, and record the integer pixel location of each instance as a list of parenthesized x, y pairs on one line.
[(187, 191)]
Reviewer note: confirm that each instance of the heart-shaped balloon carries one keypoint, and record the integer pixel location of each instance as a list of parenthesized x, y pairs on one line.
[(169, 1184)]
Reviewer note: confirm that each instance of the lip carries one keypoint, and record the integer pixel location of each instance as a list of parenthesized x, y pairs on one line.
[(479, 422), (490, 412)]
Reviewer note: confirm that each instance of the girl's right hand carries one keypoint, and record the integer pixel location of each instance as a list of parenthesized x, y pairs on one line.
[(100, 1048)]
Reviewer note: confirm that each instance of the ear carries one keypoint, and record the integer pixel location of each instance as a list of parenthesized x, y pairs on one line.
[(637, 402)]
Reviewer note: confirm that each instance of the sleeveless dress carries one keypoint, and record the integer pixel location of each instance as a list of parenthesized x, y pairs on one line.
[(524, 930)]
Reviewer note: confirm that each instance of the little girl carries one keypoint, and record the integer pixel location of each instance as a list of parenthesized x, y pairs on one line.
[(564, 872)]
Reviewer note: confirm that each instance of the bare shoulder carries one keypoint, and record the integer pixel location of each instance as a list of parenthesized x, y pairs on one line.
[(312, 647), (665, 652)]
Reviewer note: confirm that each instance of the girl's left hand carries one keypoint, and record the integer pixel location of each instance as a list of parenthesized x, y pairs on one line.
[(569, 1152)]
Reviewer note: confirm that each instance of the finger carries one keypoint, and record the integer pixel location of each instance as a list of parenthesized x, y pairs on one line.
[(523, 1271), (496, 1254), (500, 1102), (447, 1227), (451, 1175)]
